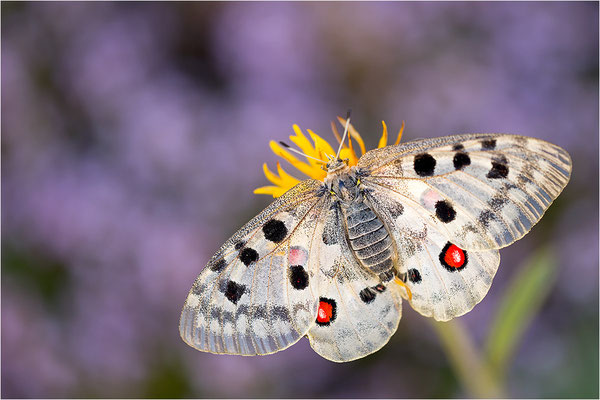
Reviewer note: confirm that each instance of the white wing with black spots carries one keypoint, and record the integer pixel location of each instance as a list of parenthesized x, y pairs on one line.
[(357, 313), (451, 202), (481, 191), (446, 281), (257, 294)]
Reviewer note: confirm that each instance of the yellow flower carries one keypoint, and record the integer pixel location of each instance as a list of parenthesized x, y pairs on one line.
[(319, 148)]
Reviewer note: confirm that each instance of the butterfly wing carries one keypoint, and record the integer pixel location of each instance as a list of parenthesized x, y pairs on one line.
[(257, 294), (357, 314), (451, 202), (483, 191)]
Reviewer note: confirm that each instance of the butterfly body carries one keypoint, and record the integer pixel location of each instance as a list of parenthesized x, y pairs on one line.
[(366, 234), (369, 239), (320, 260)]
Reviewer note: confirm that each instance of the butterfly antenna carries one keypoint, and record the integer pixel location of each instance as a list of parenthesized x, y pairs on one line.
[(287, 146), (337, 156)]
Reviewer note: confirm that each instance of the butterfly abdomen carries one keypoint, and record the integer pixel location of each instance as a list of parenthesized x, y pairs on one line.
[(369, 239)]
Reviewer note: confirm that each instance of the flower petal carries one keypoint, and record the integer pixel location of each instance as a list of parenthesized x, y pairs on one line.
[(347, 150), (286, 179), (321, 145), (336, 133), (384, 136), (270, 175), (305, 145), (354, 157), (283, 182), (354, 133), (400, 134), (316, 173), (274, 191), (321, 148), (347, 153)]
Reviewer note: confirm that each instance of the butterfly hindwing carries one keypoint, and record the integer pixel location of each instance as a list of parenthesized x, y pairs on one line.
[(481, 191), (357, 314), (257, 293), (445, 280)]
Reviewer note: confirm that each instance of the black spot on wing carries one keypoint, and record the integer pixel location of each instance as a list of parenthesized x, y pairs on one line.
[(233, 291), (218, 266), (298, 277), (248, 256), (461, 160), (488, 144), (444, 211), (424, 164), (458, 147), (499, 168), (414, 275), (239, 244), (274, 230), (367, 295)]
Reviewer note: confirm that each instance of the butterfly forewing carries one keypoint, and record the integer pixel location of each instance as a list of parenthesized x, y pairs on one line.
[(481, 191), (257, 295)]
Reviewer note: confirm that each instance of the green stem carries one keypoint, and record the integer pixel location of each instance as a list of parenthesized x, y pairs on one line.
[(471, 369)]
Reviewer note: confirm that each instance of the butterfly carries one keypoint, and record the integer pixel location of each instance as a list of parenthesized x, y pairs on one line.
[(333, 259)]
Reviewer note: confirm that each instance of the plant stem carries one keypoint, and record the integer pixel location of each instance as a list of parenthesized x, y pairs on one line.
[(471, 369)]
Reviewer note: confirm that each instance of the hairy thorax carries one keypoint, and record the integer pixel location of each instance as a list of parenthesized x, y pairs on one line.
[(366, 234)]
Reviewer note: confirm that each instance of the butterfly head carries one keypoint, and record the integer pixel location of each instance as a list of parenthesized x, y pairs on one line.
[(336, 165), (343, 183)]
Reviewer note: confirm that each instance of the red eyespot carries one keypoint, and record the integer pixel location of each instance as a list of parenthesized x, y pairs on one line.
[(326, 312), (453, 258)]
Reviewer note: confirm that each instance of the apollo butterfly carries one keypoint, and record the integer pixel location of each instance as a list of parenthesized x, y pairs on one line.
[(333, 257)]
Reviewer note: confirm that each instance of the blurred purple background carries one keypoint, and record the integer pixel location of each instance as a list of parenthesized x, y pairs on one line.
[(133, 135)]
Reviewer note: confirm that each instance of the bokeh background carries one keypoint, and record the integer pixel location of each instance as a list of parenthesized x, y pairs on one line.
[(133, 135)]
